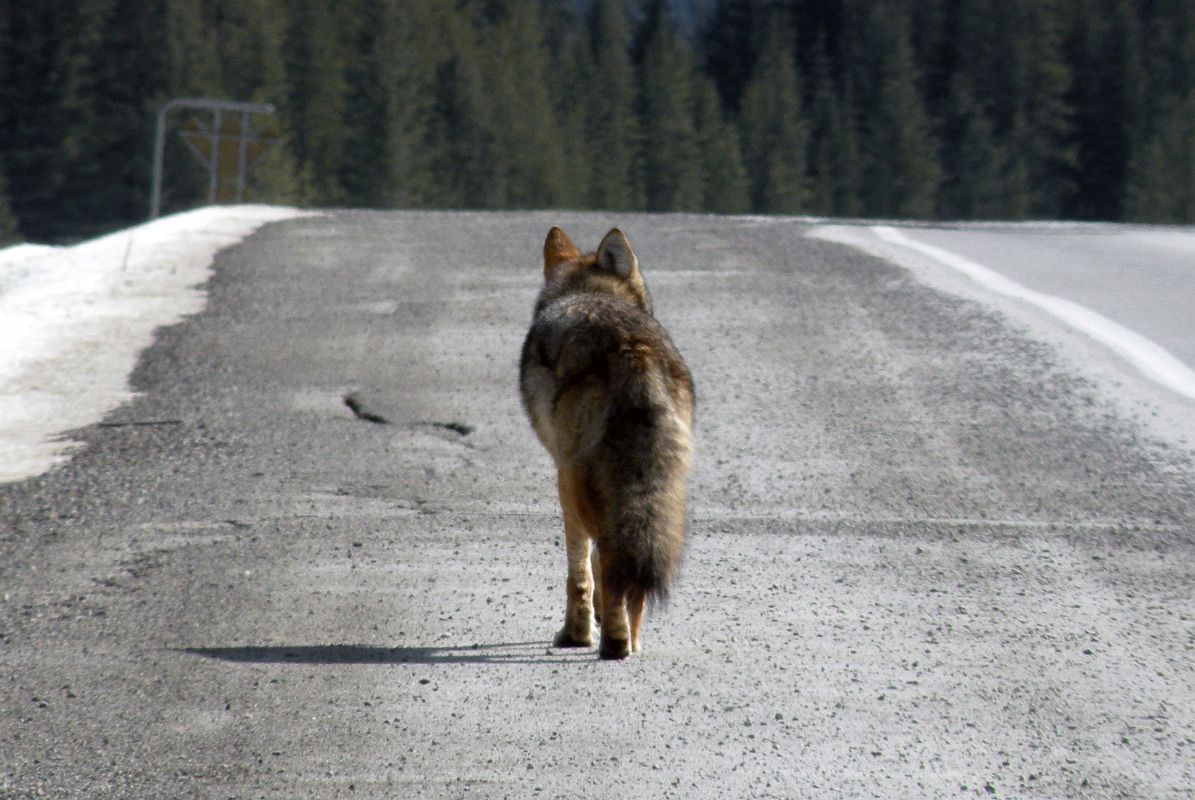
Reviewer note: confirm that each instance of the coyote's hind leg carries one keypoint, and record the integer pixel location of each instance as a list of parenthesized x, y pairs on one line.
[(578, 614), (595, 564), (616, 642), (635, 603)]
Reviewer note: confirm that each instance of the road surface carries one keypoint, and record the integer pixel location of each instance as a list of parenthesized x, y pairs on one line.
[(1140, 276), (930, 555)]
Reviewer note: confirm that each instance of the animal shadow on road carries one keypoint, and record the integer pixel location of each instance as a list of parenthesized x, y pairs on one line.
[(355, 654)]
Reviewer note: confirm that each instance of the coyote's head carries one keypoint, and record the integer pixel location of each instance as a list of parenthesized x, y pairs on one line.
[(613, 269)]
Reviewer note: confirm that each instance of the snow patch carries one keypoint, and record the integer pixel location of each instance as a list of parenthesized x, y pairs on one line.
[(74, 321)]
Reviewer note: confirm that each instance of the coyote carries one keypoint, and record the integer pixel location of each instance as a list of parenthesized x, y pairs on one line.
[(612, 402)]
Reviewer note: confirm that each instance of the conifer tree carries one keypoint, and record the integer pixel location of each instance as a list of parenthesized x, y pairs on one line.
[(410, 51), (193, 58), (1108, 98), (846, 165), (1151, 195), (366, 135), (1009, 56), (571, 66), (901, 169), (610, 102), (9, 230), (834, 154), (1161, 184), (670, 171), (826, 131), (251, 40), (317, 90), (527, 144), (42, 114), (128, 79), (1161, 180), (773, 129), (460, 136), (724, 187), (971, 158), (1016, 184), (1184, 160), (731, 45), (8, 85), (1040, 131), (192, 63)]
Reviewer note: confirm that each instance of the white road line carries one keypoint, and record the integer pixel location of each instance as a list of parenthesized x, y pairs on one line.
[(1152, 360)]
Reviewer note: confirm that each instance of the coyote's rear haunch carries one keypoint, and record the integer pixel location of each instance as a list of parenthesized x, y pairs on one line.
[(612, 401)]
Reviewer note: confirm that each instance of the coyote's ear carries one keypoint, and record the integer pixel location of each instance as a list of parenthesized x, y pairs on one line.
[(615, 254), (558, 249)]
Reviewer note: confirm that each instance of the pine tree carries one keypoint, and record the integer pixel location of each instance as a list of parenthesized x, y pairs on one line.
[(901, 171), (364, 175), (1184, 149), (1040, 129), (1151, 195), (610, 103), (571, 64), (42, 116), (192, 63), (825, 136), (1009, 56), (835, 165), (251, 36), (527, 144), (846, 166), (731, 45), (128, 80), (193, 57), (410, 51), (773, 129), (9, 230), (317, 91), (1108, 98), (8, 91), (460, 135), (671, 174), (1162, 178), (724, 187), (971, 158)]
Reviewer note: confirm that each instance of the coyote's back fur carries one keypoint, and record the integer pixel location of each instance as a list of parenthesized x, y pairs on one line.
[(612, 401)]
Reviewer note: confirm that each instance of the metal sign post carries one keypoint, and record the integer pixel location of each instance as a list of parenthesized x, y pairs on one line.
[(201, 140)]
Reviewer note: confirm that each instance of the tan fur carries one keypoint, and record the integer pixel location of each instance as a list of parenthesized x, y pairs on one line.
[(612, 401)]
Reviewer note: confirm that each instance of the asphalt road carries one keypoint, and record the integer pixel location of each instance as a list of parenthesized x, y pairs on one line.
[(929, 556), (1144, 278)]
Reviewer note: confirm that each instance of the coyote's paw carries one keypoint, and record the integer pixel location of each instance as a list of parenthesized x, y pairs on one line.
[(614, 649), (567, 638)]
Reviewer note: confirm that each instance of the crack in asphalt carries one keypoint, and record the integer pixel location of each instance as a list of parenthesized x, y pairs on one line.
[(360, 412)]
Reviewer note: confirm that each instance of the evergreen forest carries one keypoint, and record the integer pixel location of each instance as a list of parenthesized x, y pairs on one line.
[(952, 109)]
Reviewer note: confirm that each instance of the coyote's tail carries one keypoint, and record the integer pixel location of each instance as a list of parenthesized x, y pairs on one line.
[(649, 535), (648, 515)]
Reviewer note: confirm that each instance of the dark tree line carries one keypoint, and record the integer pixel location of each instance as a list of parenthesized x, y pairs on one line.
[(1017, 109)]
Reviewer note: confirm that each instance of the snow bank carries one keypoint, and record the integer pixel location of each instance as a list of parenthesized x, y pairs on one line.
[(74, 320)]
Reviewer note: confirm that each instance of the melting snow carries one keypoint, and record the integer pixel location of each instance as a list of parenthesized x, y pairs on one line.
[(73, 321)]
